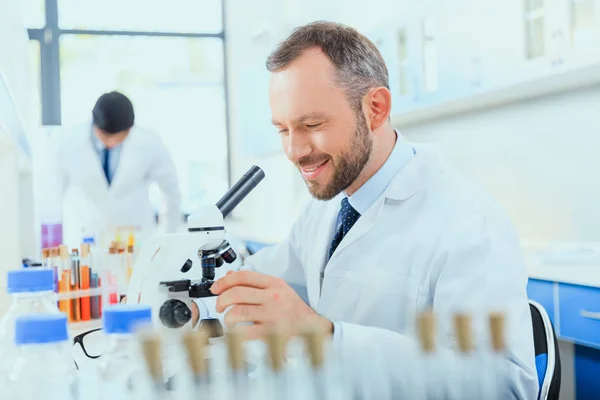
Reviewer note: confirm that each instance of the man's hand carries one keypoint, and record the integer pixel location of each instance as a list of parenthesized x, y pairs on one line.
[(266, 301)]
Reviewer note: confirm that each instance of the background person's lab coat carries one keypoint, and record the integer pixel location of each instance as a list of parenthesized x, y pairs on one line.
[(432, 240), (76, 184)]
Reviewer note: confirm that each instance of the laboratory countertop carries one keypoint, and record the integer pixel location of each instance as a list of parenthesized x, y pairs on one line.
[(587, 275)]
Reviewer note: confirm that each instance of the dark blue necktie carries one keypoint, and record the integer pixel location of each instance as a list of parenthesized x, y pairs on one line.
[(106, 164), (348, 216)]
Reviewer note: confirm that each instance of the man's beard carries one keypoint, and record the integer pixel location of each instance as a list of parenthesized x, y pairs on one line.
[(348, 166)]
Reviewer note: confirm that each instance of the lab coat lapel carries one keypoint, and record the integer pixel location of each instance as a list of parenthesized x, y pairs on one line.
[(122, 165), (319, 249), (360, 228), (90, 157), (405, 184)]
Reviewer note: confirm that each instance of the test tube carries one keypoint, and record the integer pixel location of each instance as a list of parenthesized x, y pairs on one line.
[(45, 258), (500, 388), (130, 261), (85, 274), (468, 384), (429, 383), (315, 348), (110, 279), (122, 275), (276, 354), (75, 283), (237, 364), (151, 351), (64, 285), (195, 344), (54, 262)]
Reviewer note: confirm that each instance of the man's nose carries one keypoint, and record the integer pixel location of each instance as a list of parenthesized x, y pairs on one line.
[(298, 146)]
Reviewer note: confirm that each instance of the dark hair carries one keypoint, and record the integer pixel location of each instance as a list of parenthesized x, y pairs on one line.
[(358, 63), (113, 113)]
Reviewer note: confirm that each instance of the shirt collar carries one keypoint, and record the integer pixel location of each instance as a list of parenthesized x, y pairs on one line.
[(370, 191), (98, 145)]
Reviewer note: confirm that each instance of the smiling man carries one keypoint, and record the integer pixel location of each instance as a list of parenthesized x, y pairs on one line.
[(392, 230)]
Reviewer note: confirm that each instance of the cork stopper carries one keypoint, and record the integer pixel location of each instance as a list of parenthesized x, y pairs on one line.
[(315, 346), (54, 252), (151, 352), (426, 331), (497, 332), (195, 346), (112, 250), (277, 346), (64, 251), (462, 324), (120, 250), (130, 249), (75, 252), (45, 253), (235, 348), (85, 249)]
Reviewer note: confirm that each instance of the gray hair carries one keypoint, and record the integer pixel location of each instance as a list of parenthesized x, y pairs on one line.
[(359, 65)]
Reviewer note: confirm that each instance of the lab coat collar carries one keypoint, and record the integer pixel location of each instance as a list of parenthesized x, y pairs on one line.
[(405, 184), (373, 188), (410, 179)]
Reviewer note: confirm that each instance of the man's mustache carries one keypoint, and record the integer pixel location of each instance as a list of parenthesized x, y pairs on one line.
[(311, 160)]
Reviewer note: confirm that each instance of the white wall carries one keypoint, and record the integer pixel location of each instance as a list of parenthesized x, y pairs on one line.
[(537, 158)]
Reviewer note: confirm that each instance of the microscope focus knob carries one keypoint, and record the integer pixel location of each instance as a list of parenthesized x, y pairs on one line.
[(174, 313)]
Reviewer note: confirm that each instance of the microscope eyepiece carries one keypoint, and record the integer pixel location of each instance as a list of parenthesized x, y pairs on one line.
[(240, 190)]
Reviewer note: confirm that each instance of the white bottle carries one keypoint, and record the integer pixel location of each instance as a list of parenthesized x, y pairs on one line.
[(120, 369), (44, 367), (32, 291)]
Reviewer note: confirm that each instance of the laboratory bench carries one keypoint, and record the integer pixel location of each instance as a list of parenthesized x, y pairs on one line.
[(570, 293)]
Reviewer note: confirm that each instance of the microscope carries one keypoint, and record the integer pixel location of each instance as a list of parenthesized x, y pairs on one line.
[(163, 275)]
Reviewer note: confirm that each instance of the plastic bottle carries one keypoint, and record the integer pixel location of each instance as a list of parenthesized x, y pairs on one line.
[(119, 369), (32, 291), (44, 367)]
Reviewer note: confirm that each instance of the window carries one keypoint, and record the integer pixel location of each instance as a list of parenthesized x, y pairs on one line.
[(33, 13), (182, 16), (167, 57), (534, 28), (402, 63), (176, 86), (430, 67), (582, 22)]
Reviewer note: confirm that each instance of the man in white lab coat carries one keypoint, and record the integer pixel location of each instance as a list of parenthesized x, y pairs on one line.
[(392, 230), (103, 170)]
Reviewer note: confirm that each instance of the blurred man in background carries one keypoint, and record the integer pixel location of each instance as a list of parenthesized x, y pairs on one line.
[(100, 173)]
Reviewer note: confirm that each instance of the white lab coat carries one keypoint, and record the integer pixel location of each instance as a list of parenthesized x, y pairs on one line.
[(76, 183), (432, 240)]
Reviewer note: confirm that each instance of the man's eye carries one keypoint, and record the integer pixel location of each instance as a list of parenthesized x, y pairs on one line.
[(282, 131), (314, 125)]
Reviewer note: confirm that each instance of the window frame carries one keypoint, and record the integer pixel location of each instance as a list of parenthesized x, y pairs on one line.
[(49, 41)]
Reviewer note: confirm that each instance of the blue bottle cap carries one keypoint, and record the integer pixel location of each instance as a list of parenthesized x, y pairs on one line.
[(123, 318), (41, 328), (88, 240), (30, 280)]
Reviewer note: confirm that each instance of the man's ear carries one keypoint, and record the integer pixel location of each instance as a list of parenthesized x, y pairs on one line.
[(378, 106)]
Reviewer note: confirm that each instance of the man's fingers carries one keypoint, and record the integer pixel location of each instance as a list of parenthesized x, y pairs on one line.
[(252, 332), (241, 278), (245, 313), (239, 295)]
